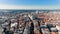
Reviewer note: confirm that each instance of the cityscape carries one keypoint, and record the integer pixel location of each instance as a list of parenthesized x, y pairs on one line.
[(29, 21)]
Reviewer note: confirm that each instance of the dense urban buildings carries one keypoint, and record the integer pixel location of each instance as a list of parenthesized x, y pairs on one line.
[(30, 22)]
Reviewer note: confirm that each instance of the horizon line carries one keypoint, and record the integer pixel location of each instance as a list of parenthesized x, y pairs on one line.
[(29, 7)]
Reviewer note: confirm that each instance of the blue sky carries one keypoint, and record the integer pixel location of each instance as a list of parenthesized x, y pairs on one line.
[(39, 4), (31, 2)]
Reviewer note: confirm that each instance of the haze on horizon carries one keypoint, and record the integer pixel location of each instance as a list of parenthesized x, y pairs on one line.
[(29, 4)]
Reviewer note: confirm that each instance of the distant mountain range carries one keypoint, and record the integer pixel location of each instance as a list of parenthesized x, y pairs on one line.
[(12, 12)]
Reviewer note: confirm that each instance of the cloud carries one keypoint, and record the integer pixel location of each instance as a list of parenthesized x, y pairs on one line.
[(28, 7)]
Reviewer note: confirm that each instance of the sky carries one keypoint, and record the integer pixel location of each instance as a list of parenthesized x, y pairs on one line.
[(39, 4)]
